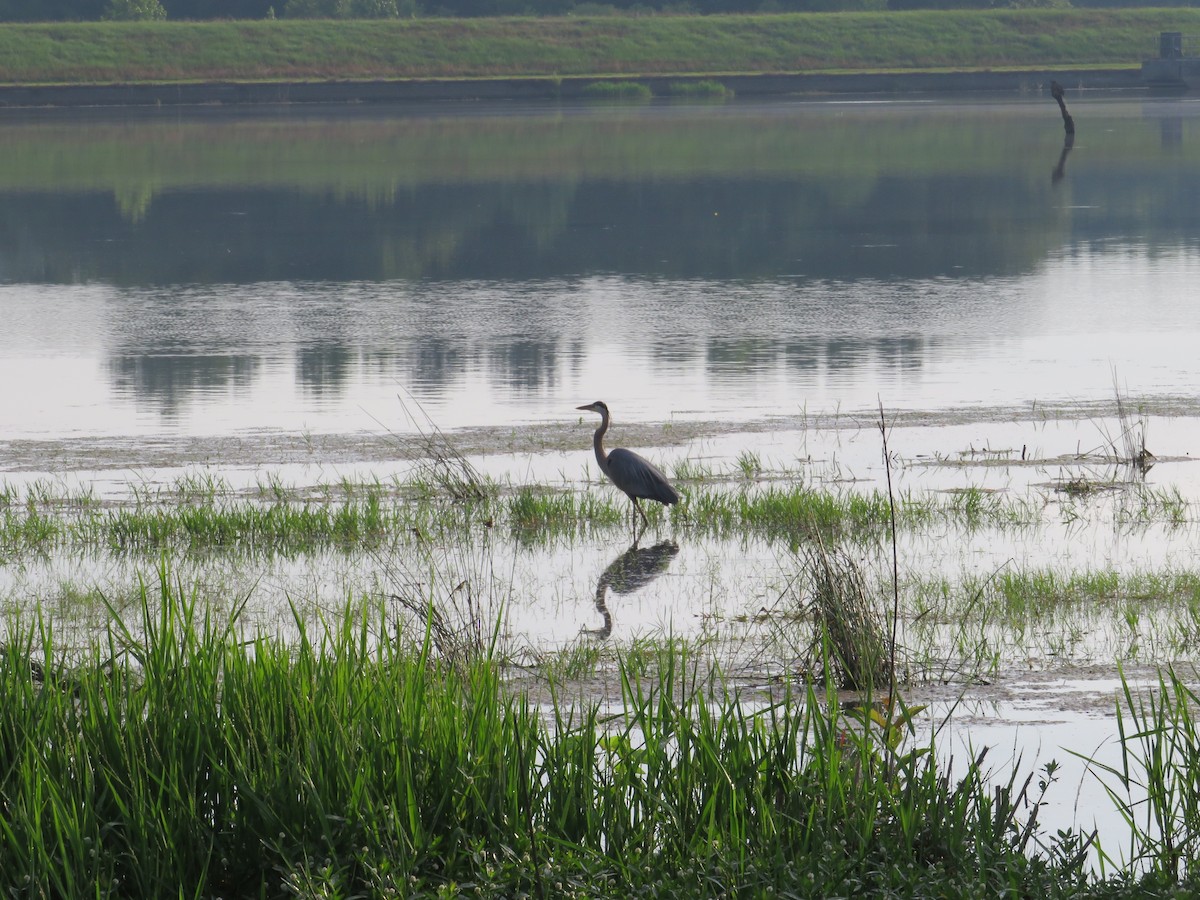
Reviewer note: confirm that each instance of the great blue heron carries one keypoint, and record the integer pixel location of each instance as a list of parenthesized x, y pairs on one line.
[(637, 477)]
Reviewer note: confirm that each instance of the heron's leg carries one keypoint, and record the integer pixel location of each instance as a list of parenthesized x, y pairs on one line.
[(641, 512)]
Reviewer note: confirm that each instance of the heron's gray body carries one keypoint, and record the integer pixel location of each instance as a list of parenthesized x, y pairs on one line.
[(638, 477), (633, 474)]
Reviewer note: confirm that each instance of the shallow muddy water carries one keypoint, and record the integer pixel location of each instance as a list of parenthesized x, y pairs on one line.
[(299, 297)]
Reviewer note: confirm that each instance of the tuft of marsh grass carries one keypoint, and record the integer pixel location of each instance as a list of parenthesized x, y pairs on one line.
[(46, 494), (749, 464), (850, 640), (688, 469), (580, 660), (1130, 446), (441, 468), (1040, 593), (531, 512), (794, 512), (32, 531), (1144, 505)]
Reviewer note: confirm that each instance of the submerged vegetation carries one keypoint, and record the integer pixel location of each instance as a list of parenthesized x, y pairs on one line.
[(279, 519)]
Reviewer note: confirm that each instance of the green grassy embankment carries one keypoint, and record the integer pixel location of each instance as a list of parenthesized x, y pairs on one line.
[(113, 52)]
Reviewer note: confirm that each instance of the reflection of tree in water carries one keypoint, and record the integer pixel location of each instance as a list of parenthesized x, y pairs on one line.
[(740, 355), (919, 227), (432, 362), (630, 572), (169, 381), (843, 355), (802, 355), (323, 369), (898, 353), (527, 365), (436, 361)]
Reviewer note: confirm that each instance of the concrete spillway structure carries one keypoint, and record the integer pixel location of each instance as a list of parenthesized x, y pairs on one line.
[(1174, 69)]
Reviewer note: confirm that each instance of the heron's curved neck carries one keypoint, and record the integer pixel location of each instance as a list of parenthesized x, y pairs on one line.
[(598, 442)]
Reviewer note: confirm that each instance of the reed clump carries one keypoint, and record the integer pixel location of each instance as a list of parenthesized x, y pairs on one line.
[(850, 637)]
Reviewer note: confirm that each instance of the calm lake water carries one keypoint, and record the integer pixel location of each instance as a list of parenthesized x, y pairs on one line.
[(202, 272), (181, 285)]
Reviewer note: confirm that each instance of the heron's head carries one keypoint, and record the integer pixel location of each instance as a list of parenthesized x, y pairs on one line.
[(598, 407)]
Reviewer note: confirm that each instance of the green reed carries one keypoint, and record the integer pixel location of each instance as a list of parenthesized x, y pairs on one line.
[(1155, 785), (28, 530), (351, 761)]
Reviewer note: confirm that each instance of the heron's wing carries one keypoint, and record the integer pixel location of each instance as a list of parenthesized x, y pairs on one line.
[(639, 478)]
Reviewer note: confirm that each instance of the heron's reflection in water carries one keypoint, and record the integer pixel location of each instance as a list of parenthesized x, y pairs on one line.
[(630, 572)]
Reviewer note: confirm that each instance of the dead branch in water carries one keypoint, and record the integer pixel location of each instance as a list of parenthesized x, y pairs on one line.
[(1056, 91)]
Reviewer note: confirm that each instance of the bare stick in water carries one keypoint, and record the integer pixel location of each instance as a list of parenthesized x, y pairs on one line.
[(1056, 91)]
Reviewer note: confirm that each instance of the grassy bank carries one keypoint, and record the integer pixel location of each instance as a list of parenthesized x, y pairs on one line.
[(352, 762), (483, 48)]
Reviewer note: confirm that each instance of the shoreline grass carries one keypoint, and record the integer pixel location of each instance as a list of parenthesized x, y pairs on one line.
[(133, 52), (351, 761)]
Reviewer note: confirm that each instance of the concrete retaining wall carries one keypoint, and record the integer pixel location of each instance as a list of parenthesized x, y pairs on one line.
[(383, 91)]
